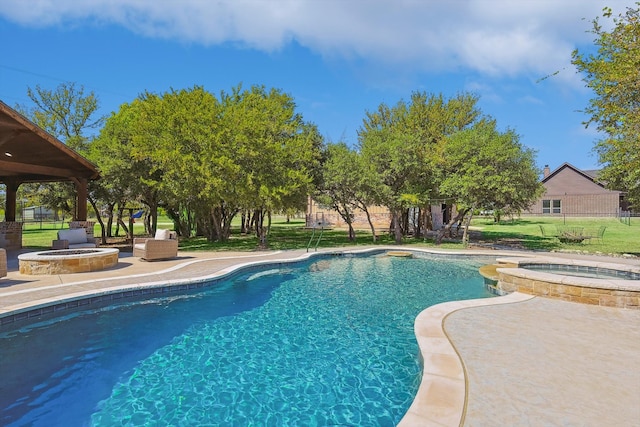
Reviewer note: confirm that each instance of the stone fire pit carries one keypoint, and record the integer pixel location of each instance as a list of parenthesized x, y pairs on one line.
[(68, 261)]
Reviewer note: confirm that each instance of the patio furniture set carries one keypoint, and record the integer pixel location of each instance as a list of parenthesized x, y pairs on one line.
[(566, 234), (164, 245), (76, 251)]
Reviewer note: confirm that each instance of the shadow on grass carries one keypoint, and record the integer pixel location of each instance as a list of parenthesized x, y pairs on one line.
[(511, 222), (289, 238), (507, 238)]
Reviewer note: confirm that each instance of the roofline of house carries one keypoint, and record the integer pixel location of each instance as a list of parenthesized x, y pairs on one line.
[(569, 165)]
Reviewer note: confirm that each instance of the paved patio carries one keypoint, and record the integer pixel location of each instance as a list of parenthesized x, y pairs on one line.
[(547, 362), (527, 361)]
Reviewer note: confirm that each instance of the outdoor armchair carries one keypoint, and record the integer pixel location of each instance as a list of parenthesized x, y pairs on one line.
[(598, 235), (546, 234), (163, 246)]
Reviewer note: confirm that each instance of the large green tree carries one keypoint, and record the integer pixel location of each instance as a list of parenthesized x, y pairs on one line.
[(68, 113), (178, 136), (386, 145), (276, 150), (404, 144), (486, 169), (125, 178), (612, 73), (346, 185), (208, 158)]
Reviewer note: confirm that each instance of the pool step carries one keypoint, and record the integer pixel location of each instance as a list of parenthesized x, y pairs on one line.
[(402, 254)]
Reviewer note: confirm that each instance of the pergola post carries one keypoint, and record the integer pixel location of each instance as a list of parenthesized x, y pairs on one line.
[(10, 230), (81, 201), (10, 203)]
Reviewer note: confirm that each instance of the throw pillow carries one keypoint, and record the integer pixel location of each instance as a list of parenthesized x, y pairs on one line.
[(162, 234)]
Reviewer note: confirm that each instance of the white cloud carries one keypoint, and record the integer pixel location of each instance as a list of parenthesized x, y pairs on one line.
[(485, 91), (492, 37), (531, 100)]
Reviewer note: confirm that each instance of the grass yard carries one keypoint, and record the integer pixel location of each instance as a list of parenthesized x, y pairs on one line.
[(618, 238), (523, 233)]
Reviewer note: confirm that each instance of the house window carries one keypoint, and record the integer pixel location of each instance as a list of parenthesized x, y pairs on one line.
[(551, 206)]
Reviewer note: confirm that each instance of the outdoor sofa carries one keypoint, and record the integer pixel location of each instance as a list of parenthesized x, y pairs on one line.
[(74, 238)]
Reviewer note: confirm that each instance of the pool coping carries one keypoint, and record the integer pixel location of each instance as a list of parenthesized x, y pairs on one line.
[(442, 396)]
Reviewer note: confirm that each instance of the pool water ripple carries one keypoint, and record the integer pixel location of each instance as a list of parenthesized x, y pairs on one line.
[(331, 344)]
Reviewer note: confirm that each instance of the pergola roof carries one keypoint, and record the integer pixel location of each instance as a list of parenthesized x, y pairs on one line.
[(29, 154)]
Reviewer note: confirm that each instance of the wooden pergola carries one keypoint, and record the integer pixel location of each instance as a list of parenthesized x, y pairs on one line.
[(30, 154)]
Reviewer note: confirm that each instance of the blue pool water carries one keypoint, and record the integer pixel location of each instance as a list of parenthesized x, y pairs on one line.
[(324, 342)]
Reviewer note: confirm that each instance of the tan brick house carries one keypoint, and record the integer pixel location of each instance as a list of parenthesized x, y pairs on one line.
[(318, 215), (575, 192)]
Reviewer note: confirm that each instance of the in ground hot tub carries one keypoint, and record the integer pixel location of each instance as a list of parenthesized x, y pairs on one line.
[(585, 281), (68, 261)]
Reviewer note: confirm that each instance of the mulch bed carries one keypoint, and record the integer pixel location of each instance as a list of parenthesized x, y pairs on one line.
[(120, 243)]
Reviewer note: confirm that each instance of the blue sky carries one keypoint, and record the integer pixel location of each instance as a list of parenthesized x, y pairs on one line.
[(337, 58)]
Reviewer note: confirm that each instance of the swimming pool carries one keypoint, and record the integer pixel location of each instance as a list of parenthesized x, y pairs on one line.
[(327, 341)]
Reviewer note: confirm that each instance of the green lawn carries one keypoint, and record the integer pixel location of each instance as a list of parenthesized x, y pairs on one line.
[(519, 233), (618, 238)]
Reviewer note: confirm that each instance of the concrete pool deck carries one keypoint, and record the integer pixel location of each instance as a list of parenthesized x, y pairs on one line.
[(514, 360)]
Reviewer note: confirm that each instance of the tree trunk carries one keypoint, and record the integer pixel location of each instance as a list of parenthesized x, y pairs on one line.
[(465, 234), (418, 224), (352, 233), (268, 222), (244, 222), (261, 232), (397, 231), (205, 226), (345, 214), (152, 219), (425, 220), (119, 220), (110, 207), (182, 220), (373, 229), (447, 228), (221, 218), (128, 233), (103, 235), (405, 222), (251, 221), (147, 224)]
